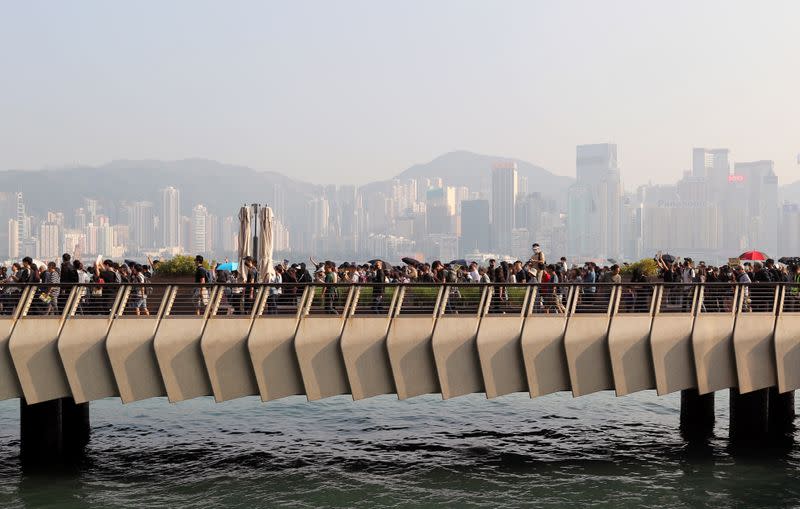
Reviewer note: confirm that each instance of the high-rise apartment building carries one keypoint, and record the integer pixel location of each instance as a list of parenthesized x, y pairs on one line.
[(141, 220), (105, 240), (229, 234), (22, 221), (199, 232), (13, 239), (49, 241), (504, 199), (92, 209), (170, 220)]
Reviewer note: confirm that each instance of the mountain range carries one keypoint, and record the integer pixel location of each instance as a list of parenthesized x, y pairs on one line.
[(223, 188)]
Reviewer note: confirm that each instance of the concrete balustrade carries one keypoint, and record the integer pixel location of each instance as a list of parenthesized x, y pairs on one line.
[(671, 340), (409, 344), (364, 350), (712, 339), (131, 350), (542, 342), (406, 340), (177, 343), (317, 342)]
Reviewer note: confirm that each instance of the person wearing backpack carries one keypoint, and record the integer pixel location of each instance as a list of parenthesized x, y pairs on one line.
[(201, 292), (140, 291)]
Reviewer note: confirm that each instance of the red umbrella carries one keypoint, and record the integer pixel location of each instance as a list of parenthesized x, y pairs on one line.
[(757, 256)]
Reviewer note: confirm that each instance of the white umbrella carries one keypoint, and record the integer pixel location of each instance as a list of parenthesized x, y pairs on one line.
[(265, 268), (244, 239)]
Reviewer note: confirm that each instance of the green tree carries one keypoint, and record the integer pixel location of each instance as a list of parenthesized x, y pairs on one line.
[(180, 265), (647, 267)]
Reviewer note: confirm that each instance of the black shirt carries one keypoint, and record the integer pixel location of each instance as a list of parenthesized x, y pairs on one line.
[(68, 273), (108, 276), (380, 277)]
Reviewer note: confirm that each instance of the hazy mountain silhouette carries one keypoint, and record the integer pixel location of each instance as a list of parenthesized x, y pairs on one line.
[(464, 168), (223, 188)]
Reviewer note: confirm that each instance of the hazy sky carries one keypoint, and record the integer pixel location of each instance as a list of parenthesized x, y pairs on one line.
[(340, 91)]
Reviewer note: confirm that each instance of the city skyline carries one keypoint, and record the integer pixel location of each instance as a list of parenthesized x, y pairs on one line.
[(720, 206)]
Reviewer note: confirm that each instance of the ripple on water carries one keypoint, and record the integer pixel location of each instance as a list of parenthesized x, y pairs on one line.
[(509, 452)]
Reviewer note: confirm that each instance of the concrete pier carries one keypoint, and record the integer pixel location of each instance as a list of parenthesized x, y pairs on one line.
[(697, 414), (781, 411), (53, 431), (749, 415)]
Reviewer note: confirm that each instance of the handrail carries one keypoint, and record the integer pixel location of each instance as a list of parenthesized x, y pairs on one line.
[(398, 284)]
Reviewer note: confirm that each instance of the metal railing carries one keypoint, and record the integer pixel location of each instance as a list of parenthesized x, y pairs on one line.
[(395, 299)]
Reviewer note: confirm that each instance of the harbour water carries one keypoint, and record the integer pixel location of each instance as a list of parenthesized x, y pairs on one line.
[(554, 451)]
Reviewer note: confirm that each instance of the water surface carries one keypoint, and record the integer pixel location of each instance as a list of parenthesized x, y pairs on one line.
[(554, 451)]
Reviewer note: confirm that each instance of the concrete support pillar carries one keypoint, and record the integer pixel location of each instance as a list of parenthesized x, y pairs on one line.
[(697, 414), (53, 431), (781, 411), (749, 415), (40, 431)]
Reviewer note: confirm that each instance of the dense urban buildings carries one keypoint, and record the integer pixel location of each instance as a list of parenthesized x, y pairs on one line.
[(719, 208)]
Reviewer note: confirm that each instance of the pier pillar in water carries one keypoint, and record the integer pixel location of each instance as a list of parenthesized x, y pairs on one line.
[(697, 414), (781, 411), (53, 431), (749, 415)]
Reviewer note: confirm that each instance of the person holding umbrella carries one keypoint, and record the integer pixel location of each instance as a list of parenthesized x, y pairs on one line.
[(378, 291)]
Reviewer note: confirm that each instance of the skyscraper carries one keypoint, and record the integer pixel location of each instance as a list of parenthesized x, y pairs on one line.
[(761, 195), (170, 218), (705, 162), (504, 199), (13, 239), (594, 203), (199, 231), (474, 226), (142, 223), (440, 210), (22, 230), (49, 240)]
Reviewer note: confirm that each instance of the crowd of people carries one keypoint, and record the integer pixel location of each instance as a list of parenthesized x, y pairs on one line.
[(534, 270), (52, 277)]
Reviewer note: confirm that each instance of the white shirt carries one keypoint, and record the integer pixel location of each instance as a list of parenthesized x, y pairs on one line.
[(277, 279)]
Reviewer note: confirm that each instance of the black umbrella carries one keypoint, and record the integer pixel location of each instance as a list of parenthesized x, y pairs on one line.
[(461, 262), (386, 265), (668, 258), (411, 262), (790, 260)]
